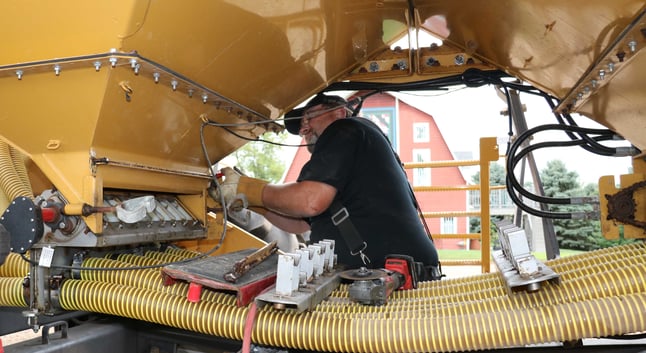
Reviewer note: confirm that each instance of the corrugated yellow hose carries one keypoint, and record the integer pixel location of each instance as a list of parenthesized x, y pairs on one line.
[(187, 254), (18, 160), (152, 306), (630, 278), (11, 181), (609, 302), (150, 279), (483, 330), (14, 266), (11, 292), (4, 201), (471, 289)]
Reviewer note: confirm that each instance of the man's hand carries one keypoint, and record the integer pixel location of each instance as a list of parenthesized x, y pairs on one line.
[(228, 187), (234, 184)]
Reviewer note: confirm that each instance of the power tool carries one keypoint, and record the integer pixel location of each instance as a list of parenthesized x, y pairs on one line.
[(374, 286)]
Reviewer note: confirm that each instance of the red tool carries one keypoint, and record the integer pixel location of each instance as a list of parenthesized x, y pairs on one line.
[(373, 287), (405, 265)]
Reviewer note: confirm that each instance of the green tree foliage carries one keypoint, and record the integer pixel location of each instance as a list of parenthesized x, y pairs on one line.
[(262, 160), (497, 175), (576, 234), (558, 182)]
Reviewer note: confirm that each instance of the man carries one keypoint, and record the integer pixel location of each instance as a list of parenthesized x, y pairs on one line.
[(353, 190)]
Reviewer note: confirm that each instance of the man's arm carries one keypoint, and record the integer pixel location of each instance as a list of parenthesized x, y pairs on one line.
[(300, 199), (288, 224)]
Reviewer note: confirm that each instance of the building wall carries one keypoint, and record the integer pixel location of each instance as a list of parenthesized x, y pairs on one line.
[(402, 136)]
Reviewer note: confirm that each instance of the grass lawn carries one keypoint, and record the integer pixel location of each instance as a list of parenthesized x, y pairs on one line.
[(475, 254)]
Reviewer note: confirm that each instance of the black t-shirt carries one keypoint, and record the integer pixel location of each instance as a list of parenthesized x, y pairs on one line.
[(355, 157)]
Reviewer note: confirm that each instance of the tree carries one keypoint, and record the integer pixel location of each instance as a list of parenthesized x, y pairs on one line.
[(497, 175), (576, 234), (558, 182), (262, 160)]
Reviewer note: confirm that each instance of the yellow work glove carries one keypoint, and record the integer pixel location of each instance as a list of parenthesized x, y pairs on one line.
[(237, 188)]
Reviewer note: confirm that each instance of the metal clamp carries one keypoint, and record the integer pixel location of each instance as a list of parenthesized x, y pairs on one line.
[(364, 258)]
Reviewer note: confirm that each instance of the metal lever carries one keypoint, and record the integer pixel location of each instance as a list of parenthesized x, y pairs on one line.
[(248, 262)]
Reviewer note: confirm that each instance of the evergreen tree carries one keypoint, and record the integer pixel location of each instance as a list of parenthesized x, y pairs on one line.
[(574, 234)]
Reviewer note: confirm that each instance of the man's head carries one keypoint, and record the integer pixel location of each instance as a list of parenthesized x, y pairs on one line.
[(298, 119)]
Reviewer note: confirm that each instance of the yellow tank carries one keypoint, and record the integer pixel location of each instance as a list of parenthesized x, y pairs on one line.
[(106, 97)]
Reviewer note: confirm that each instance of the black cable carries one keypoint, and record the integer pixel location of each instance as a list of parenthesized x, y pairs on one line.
[(512, 159), (512, 183), (591, 145), (533, 211), (529, 149), (257, 139)]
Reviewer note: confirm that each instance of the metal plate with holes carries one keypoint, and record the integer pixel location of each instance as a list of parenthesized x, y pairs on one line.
[(24, 222)]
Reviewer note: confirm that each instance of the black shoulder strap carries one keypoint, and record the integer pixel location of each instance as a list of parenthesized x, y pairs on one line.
[(341, 219)]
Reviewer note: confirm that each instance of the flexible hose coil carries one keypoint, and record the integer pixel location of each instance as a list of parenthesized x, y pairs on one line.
[(613, 303), (18, 160), (147, 279), (10, 180), (14, 266), (4, 201), (11, 292), (163, 308), (608, 302)]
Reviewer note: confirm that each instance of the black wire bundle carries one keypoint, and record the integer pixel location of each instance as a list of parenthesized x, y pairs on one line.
[(516, 154)]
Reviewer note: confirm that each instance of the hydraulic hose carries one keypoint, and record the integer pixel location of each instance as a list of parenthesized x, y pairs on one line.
[(611, 301)]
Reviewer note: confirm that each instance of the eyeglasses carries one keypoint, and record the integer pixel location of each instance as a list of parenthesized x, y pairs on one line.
[(311, 114)]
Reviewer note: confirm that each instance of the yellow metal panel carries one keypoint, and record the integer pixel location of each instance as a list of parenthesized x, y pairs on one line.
[(620, 103), (269, 55), (234, 240), (38, 30), (548, 43), (46, 113)]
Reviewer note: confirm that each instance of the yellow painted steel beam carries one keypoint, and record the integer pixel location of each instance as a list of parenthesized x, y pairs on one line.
[(476, 236), (451, 214)]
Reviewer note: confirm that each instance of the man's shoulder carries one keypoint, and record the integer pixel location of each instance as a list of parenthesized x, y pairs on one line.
[(356, 123)]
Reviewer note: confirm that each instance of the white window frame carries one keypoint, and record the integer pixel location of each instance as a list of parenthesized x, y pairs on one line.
[(421, 176), (448, 225), (421, 132)]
